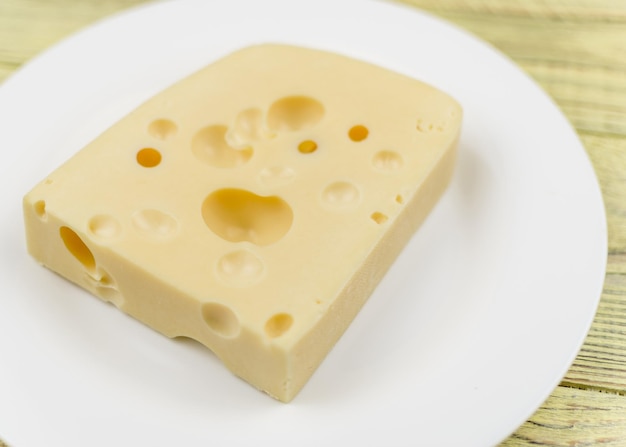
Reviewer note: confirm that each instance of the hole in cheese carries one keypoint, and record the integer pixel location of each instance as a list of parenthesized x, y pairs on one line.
[(220, 319), (358, 133), (248, 127), (387, 161), (162, 129), (155, 223), (40, 209), (379, 218), (210, 146), (238, 215), (341, 194), (278, 325), (240, 268), (307, 147), (78, 249), (294, 113), (104, 226), (148, 157)]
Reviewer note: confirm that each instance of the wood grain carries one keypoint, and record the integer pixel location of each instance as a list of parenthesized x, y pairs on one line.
[(575, 417), (576, 51)]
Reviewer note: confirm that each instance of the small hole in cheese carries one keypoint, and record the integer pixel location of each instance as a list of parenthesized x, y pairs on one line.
[(148, 157), (40, 209), (221, 319), (379, 218), (278, 325), (240, 268), (249, 126), (155, 223), (162, 129), (358, 133), (211, 146), (307, 147), (104, 226), (341, 194), (276, 176), (387, 161)]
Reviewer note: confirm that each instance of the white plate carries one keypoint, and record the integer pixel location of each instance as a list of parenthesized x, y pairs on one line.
[(469, 332)]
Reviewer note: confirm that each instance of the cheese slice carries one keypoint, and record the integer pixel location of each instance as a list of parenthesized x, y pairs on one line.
[(253, 206)]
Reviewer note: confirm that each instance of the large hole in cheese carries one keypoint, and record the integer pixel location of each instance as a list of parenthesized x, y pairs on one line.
[(238, 215), (78, 249)]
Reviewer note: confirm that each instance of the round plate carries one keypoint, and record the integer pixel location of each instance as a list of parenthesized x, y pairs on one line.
[(469, 332)]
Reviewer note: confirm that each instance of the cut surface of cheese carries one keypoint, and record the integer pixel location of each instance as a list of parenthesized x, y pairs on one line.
[(252, 206)]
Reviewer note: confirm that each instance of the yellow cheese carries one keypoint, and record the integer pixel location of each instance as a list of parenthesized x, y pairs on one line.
[(252, 206)]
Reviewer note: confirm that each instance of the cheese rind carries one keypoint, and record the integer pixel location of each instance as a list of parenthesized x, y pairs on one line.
[(253, 206)]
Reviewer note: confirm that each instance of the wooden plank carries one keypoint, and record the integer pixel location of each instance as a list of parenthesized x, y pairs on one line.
[(536, 10), (601, 363), (575, 417), (608, 156)]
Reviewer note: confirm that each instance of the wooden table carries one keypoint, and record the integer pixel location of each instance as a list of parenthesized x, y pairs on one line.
[(576, 50)]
